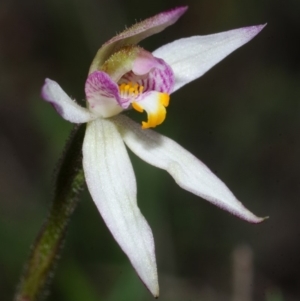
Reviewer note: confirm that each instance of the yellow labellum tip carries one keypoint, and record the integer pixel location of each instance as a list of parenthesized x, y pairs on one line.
[(145, 125), (155, 116), (164, 99)]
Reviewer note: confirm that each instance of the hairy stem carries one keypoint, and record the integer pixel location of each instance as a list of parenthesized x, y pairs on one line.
[(47, 247)]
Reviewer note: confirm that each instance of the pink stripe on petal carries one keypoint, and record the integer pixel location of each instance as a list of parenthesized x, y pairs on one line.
[(102, 94), (100, 84)]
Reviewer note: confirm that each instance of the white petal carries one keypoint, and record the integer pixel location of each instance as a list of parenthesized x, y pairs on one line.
[(111, 182), (63, 104), (188, 172), (191, 57)]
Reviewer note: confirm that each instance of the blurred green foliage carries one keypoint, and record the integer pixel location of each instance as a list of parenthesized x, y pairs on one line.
[(241, 119)]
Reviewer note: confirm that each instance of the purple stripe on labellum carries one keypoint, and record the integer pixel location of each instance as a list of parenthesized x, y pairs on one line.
[(152, 82), (162, 79)]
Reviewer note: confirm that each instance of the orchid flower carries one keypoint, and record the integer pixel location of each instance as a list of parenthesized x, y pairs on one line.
[(124, 76)]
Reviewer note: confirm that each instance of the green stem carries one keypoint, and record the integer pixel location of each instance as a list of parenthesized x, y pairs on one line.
[(47, 247)]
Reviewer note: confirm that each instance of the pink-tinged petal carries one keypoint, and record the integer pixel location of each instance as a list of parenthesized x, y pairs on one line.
[(144, 62), (188, 172), (63, 104), (102, 94), (191, 57), (112, 185), (136, 33)]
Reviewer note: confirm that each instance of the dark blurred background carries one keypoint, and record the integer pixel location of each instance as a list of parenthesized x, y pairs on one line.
[(241, 119)]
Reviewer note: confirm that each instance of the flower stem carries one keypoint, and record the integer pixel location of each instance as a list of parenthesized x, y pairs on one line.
[(47, 247)]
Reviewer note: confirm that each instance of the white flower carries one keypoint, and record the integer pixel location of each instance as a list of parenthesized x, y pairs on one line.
[(124, 76)]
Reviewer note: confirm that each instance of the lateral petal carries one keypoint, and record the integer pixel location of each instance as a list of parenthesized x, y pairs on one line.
[(111, 183), (102, 94), (191, 57), (188, 172), (63, 104)]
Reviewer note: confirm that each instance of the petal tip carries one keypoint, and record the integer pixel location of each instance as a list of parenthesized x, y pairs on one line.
[(155, 292), (44, 91), (260, 219), (254, 30), (151, 283), (47, 94), (180, 10), (253, 219), (175, 13)]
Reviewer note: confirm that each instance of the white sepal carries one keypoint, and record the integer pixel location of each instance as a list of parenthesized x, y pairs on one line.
[(191, 57), (112, 185), (188, 172), (63, 104)]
